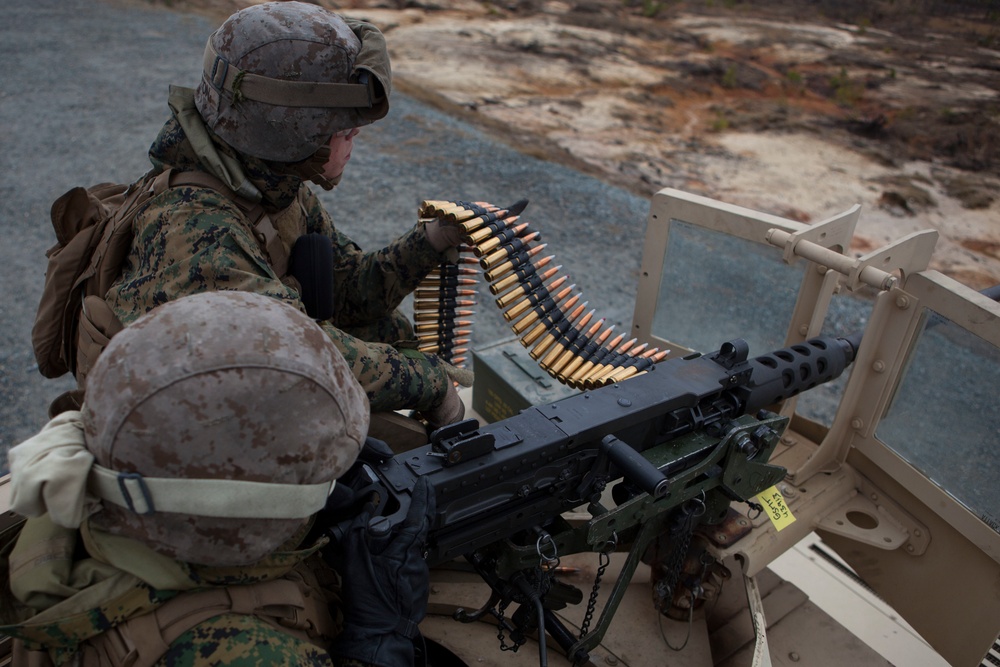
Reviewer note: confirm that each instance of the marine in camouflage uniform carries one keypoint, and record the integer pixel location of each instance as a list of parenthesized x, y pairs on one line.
[(211, 434), (131, 581), (190, 240), (193, 239)]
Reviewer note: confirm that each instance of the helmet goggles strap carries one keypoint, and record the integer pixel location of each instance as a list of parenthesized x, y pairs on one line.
[(279, 92), (224, 498)]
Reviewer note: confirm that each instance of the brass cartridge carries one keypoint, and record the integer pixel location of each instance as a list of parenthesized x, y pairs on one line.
[(556, 332), (520, 275), (429, 316), (532, 283), (507, 250), (505, 236), (565, 367), (565, 341), (445, 292), (576, 377), (540, 298), (574, 348), (519, 259), (426, 327)]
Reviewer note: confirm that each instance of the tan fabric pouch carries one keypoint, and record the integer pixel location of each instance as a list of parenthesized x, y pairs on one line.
[(98, 323)]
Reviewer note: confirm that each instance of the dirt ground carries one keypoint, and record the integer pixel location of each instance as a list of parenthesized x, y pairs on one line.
[(801, 109)]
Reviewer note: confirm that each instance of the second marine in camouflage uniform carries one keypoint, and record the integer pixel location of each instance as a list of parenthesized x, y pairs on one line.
[(173, 519), (190, 240), (131, 581)]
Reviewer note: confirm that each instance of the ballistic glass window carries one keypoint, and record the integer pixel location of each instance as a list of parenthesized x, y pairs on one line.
[(716, 287), (945, 416), (709, 275)]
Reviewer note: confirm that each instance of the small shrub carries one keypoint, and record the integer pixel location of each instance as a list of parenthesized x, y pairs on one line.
[(720, 123), (845, 91), (650, 8), (729, 77)]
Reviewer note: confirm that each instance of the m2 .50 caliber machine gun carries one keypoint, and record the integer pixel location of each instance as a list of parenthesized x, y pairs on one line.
[(681, 442)]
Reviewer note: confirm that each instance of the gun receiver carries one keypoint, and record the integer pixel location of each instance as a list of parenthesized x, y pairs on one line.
[(685, 440)]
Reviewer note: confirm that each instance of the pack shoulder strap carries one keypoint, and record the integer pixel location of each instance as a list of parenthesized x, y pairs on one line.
[(116, 243), (288, 604), (263, 229)]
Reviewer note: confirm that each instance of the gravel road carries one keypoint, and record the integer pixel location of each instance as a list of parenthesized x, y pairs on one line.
[(84, 92)]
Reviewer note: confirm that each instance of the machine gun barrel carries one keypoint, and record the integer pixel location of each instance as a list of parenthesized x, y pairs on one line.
[(494, 480)]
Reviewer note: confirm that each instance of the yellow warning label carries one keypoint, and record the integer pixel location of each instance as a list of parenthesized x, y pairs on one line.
[(777, 510)]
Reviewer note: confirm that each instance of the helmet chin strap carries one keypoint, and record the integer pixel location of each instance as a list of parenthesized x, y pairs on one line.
[(324, 182), (311, 169)]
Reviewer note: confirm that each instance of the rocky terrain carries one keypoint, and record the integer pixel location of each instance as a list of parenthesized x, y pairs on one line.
[(801, 109)]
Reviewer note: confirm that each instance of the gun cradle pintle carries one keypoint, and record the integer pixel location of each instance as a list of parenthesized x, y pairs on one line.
[(692, 429)]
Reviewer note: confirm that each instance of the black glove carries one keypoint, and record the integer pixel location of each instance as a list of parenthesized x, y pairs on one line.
[(385, 586)]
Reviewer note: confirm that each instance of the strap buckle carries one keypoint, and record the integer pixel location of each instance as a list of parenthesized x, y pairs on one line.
[(128, 482), (366, 79), (219, 71)]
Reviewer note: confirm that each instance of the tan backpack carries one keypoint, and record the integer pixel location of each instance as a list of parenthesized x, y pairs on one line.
[(94, 233)]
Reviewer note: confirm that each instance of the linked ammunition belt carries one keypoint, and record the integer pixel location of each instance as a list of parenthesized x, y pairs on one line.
[(548, 316)]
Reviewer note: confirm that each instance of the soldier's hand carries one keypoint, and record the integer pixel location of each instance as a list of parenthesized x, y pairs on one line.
[(385, 585), (462, 376), (443, 235), (449, 411)]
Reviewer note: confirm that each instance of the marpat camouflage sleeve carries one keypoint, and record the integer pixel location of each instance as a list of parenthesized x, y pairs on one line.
[(237, 639), (369, 285), (192, 240)]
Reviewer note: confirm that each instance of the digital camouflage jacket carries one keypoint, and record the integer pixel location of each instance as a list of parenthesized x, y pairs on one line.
[(193, 239), (73, 604)]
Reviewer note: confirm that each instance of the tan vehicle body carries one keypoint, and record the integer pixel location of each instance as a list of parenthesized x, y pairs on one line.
[(918, 556)]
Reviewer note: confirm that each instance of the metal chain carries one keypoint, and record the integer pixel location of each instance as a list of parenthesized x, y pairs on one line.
[(604, 559), (503, 640), (675, 563), (665, 587), (547, 564)]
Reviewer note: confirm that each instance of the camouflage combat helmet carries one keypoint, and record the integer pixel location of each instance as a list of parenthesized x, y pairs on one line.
[(280, 78), (213, 411)]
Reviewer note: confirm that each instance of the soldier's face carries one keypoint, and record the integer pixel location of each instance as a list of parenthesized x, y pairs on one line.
[(341, 144)]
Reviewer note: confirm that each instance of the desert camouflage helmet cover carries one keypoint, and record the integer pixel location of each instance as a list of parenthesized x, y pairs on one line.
[(221, 386), (281, 77)]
